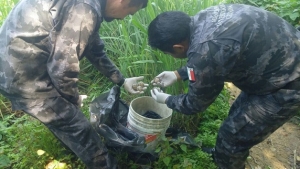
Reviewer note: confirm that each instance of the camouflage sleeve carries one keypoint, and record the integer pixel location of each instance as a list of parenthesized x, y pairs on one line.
[(99, 59), (207, 68), (183, 73), (71, 40)]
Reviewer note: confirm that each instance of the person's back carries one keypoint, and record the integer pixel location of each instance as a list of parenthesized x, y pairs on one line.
[(266, 47), (27, 43), (24, 42), (256, 50)]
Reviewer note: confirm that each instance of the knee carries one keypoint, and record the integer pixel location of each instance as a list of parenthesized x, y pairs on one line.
[(230, 157), (229, 153)]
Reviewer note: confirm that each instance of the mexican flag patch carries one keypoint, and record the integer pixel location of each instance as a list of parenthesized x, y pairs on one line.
[(191, 74)]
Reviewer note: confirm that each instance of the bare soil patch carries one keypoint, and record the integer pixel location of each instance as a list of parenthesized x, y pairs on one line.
[(279, 151)]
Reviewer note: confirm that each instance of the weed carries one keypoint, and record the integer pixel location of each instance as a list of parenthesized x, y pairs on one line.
[(17, 148), (178, 155), (287, 9)]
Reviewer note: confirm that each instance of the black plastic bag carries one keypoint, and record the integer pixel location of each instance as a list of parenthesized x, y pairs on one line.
[(108, 115), (176, 135)]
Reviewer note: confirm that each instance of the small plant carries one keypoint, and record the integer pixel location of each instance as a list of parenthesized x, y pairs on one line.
[(287, 9), (178, 155), (17, 148)]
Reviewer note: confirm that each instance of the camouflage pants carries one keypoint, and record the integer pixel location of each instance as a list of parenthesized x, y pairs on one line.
[(70, 126), (252, 119)]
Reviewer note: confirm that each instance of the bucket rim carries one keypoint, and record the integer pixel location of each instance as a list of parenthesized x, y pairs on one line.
[(166, 119), (151, 118), (130, 107)]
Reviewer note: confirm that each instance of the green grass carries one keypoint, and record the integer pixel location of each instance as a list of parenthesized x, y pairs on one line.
[(287, 9), (21, 139), (5, 7)]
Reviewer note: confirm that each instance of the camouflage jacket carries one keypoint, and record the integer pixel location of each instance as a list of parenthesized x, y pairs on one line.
[(250, 47), (41, 43)]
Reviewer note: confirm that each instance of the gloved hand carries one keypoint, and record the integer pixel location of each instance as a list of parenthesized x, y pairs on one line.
[(159, 96), (133, 86), (80, 100), (164, 79)]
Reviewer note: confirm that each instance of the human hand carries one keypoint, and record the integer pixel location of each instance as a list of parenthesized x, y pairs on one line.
[(159, 96), (134, 85), (80, 100), (164, 79)]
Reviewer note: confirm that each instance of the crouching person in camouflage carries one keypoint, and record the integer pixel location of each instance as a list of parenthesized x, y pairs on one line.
[(254, 49), (41, 43)]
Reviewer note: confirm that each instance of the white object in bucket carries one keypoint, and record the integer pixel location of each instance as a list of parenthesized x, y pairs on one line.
[(152, 129)]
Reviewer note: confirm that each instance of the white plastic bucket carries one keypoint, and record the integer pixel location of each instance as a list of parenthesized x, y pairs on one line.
[(151, 129)]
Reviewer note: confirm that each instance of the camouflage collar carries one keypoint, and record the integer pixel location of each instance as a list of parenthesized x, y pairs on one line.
[(103, 5)]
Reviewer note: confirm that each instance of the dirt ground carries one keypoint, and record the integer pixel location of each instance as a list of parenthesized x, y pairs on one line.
[(280, 151)]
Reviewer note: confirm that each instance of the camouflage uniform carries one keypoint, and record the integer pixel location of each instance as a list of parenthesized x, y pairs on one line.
[(259, 53), (41, 43)]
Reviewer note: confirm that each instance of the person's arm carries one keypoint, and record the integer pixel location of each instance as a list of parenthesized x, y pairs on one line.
[(69, 44), (182, 73), (97, 56), (206, 70)]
